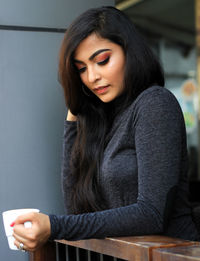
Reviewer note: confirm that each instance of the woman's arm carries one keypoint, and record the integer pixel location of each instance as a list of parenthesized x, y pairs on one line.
[(160, 146), (70, 132)]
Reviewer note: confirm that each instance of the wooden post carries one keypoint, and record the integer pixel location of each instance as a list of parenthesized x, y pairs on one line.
[(45, 253)]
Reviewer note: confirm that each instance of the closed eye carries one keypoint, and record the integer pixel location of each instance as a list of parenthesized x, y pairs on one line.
[(105, 61), (81, 70)]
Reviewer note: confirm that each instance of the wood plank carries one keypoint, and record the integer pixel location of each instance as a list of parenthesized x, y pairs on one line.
[(129, 248), (182, 253)]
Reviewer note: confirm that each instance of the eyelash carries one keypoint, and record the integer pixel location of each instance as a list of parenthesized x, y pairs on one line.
[(104, 61), (81, 70)]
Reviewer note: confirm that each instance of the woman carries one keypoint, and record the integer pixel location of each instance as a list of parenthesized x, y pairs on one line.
[(124, 166)]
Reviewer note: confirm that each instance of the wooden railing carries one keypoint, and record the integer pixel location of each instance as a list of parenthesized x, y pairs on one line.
[(142, 248)]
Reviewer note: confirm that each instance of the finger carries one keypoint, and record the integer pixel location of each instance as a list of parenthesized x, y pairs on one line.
[(21, 246), (27, 245), (20, 230), (24, 218), (19, 238)]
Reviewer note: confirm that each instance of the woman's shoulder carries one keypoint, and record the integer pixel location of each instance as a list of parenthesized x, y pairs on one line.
[(156, 96), (155, 92), (155, 102)]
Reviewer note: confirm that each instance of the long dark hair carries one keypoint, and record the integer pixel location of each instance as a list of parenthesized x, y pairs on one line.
[(142, 70)]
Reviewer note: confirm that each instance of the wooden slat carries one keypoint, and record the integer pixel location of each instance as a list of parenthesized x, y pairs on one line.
[(184, 253), (45, 253), (129, 248)]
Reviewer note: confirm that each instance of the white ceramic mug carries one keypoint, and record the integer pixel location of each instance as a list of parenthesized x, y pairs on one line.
[(9, 217)]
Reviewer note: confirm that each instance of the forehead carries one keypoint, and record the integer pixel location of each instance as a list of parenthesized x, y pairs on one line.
[(90, 45)]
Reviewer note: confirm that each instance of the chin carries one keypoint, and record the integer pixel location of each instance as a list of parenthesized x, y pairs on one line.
[(106, 98)]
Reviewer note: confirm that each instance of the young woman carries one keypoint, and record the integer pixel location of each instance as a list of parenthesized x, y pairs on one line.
[(124, 169)]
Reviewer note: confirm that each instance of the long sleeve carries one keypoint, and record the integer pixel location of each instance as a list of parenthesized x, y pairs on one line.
[(70, 131), (159, 137)]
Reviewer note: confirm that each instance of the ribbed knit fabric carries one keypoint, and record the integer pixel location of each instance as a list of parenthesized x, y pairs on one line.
[(143, 175)]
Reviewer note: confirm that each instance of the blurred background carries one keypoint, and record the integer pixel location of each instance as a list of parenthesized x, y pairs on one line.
[(172, 29), (32, 107)]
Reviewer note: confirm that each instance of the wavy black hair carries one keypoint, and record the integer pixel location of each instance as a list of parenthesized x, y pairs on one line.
[(142, 70)]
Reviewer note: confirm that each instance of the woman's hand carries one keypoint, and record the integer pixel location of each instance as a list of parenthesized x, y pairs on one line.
[(70, 116), (34, 237)]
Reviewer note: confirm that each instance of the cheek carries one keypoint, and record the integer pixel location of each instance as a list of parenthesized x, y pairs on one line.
[(83, 78), (115, 71)]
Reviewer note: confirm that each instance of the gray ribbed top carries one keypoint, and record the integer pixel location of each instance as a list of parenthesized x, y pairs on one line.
[(143, 175)]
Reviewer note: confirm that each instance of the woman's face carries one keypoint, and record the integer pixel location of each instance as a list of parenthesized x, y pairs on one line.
[(101, 63)]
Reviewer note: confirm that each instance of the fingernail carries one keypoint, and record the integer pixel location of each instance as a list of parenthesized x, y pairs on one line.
[(12, 224)]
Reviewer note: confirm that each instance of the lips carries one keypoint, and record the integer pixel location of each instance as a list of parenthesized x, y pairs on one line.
[(101, 89)]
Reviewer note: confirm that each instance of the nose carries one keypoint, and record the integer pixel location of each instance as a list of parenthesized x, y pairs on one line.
[(93, 75)]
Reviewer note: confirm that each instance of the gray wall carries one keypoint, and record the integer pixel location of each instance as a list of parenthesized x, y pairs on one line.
[(32, 107)]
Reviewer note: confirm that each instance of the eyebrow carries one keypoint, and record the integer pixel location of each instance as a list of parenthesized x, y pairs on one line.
[(93, 55)]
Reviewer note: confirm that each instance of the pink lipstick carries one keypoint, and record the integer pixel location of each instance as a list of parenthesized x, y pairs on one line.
[(101, 89)]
